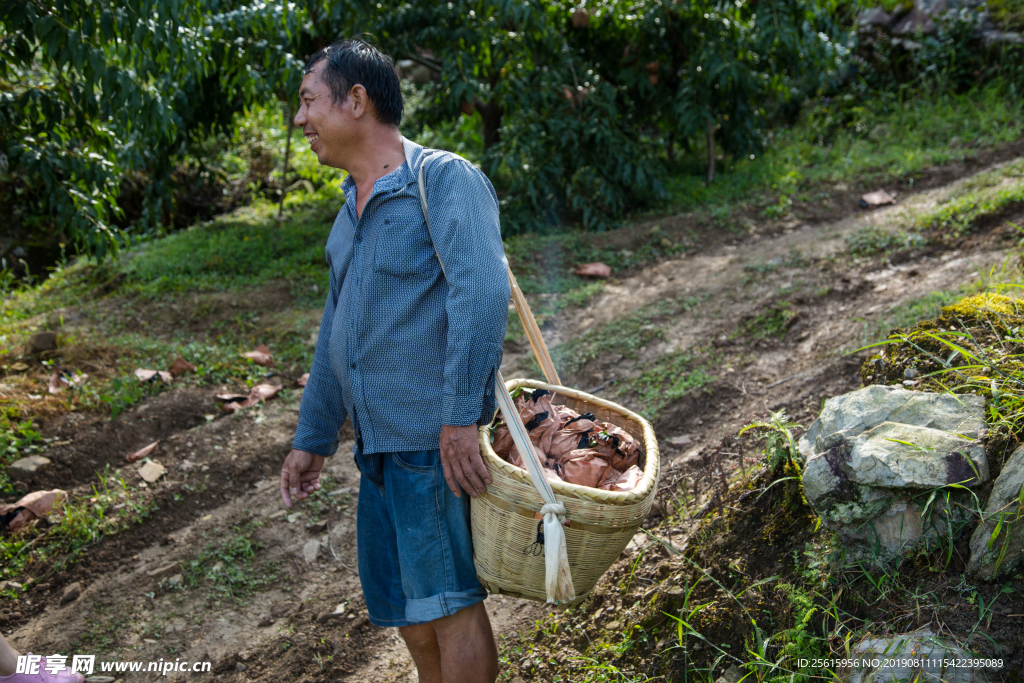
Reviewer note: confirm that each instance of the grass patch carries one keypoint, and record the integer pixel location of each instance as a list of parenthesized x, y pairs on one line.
[(669, 379), (227, 568), (18, 439), (773, 323), (239, 251), (42, 548), (866, 139), (624, 336), (875, 241), (983, 196)]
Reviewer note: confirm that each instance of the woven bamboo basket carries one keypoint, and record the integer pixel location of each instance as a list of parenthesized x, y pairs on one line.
[(600, 523)]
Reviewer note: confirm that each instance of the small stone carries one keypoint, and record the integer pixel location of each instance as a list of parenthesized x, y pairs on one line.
[(732, 674), (265, 621), (152, 471), (638, 541), (163, 571), (294, 517), (311, 550), (277, 515), (239, 667), (26, 468), (316, 527), (42, 341), (100, 679), (10, 586), (18, 367), (613, 626), (71, 593), (175, 580), (910, 373), (338, 612)]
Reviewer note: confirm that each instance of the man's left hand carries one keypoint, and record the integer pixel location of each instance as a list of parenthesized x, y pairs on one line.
[(460, 458)]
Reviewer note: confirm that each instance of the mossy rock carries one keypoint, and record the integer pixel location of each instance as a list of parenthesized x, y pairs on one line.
[(925, 355), (985, 306)]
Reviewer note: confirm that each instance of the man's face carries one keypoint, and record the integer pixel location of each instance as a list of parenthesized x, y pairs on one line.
[(326, 125)]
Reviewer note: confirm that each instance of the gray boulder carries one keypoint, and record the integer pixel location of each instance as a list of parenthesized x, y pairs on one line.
[(873, 457), (1003, 504), (864, 409), (920, 656), (864, 486)]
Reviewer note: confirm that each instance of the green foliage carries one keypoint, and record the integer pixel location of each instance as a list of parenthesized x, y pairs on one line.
[(983, 196), (776, 434), (1008, 12), (95, 94), (240, 251)]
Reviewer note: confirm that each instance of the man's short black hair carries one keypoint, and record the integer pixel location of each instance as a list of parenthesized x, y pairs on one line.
[(353, 61)]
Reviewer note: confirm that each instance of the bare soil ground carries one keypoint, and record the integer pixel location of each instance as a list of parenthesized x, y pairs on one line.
[(155, 591)]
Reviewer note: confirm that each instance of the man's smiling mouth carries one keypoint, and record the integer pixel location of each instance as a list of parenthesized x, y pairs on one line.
[(312, 138)]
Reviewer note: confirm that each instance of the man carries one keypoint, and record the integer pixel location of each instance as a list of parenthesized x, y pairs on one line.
[(409, 349)]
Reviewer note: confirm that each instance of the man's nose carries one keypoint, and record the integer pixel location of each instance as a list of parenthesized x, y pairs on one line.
[(300, 116)]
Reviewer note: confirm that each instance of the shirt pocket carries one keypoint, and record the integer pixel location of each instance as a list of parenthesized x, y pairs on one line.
[(404, 250)]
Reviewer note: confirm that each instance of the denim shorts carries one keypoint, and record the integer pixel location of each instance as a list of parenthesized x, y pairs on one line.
[(414, 545)]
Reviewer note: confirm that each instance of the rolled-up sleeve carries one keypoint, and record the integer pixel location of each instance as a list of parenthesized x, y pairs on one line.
[(463, 212), (322, 411)]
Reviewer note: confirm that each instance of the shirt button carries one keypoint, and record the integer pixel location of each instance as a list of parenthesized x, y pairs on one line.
[(353, 366)]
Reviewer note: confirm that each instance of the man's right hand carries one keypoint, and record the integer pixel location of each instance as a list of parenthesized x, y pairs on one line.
[(300, 474)]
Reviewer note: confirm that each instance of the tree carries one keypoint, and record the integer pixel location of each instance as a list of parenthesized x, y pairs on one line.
[(93, 92)]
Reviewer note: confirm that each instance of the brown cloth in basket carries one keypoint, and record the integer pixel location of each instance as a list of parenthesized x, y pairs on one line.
[(618, 446), (540, 418), (576, 449), (584, 466), (576, 433), (623, 481), (503, 444)]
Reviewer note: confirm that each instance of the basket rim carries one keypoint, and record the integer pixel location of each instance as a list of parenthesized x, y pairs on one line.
[(653, 458)]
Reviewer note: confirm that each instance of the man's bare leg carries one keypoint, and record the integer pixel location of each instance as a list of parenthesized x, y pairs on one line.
[(421, 639), (466, 642)]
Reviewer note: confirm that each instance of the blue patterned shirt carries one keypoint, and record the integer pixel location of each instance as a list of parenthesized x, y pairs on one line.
[(402, 348)]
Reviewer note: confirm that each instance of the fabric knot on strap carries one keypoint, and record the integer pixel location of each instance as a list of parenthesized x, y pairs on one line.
[(557, 508)]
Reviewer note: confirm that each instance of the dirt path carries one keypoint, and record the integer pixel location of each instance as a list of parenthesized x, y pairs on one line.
[(223, 573)]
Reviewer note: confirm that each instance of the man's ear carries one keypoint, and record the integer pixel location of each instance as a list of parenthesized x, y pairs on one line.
[(360, 101)]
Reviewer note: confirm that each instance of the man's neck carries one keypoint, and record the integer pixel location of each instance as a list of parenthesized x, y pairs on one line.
[(379, 154)]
